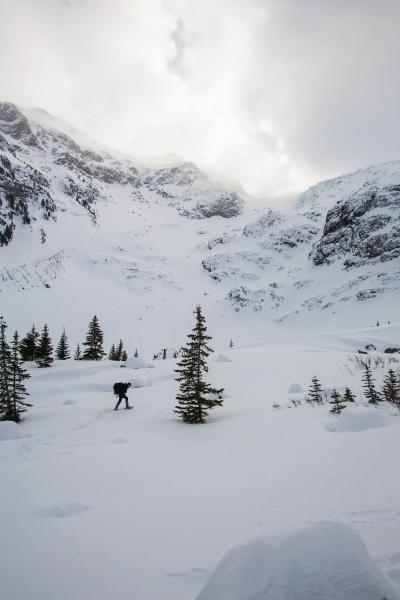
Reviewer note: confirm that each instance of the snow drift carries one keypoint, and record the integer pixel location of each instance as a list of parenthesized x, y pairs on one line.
[(325, 561), (9, 431)]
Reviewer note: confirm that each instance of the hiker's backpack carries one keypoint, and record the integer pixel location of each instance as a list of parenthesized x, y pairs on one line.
[(117, 387)]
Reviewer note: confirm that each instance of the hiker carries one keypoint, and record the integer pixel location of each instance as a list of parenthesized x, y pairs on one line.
[(120, 390)]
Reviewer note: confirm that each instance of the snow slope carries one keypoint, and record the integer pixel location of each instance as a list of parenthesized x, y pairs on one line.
[(136, 504), (96, 232)]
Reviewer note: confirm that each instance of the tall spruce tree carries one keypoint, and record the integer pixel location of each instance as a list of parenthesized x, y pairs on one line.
[(94, 341), (62, 352), (112, 354), (78, 353), (315, 391), (18, 389), (336, 402), (391, 388), (370, 391), (44, 355), (29, 345), (348, 395), (195, 396), (5, 375)]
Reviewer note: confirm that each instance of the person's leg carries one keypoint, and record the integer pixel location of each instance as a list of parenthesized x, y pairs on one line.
[(126, 401), (119, 402)]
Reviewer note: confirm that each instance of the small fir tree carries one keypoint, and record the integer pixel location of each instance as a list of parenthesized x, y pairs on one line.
[(124, 356), (336, 402), (231, 344), (195, 396), (5, 375), (78, 353), (348, 395), (44, 355), (18, 389), (111, 354), (315, 391), (391, 388), (62, 352), (94, 341), (119, 350), (370, 392), (29, 345), (136, 353)]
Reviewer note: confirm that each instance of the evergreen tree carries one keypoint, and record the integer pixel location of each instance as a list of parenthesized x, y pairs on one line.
[(348, 395), (391, 388), (119, 350), (29, 345), (62, 352), (18, 389), (337, 402), (231, 344), (5, 375), (124, 356), (94, 341), (315, 391), (111, 354), (370, 392), (44, 355), (78, 353), (196, 396), (136, 353)]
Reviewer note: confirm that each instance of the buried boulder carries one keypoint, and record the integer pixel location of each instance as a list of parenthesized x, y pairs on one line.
[(323, 561)]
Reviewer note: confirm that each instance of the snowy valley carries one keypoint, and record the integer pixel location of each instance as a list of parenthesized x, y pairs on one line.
[(136, 504)]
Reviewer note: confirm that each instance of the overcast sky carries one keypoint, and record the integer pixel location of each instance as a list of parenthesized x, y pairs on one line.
[(277, 94)]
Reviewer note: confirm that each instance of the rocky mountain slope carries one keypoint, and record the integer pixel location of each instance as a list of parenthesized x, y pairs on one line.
[(84, 230)]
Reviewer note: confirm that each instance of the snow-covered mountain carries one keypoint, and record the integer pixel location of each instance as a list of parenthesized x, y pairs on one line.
[(85, 230)]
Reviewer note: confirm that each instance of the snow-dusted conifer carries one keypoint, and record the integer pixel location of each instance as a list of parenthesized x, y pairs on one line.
[(315, 391), (5, 375), (119, 350), (391, 388), (111, 354), (136, 353), (62, 352), (336, 402), (78, 353), (29, 344), (124, 356), (44, 354), (370, 392), (231, 344), (94, 341), (348, 395), (195, 396), (18, 389)]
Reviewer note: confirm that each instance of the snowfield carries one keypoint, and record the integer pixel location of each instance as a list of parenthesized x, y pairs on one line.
[(136, 504)]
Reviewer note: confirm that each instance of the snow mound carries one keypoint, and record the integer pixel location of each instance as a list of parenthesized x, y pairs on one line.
[(137, 362), (295, 388), (9, 431), (357, 419), (63, 509), (139, 383), (221, 358), (324, 561), (69, 401)]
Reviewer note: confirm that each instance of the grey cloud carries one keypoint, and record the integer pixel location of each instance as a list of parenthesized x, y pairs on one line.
[(277, 93)]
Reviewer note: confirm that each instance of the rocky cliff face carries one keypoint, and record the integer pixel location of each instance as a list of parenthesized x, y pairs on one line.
[(43, 171), (364, 227)]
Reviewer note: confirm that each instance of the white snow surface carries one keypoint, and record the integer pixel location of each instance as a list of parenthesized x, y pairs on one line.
[(149, 505), (324, 561), (358, 419), (9, 431)]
